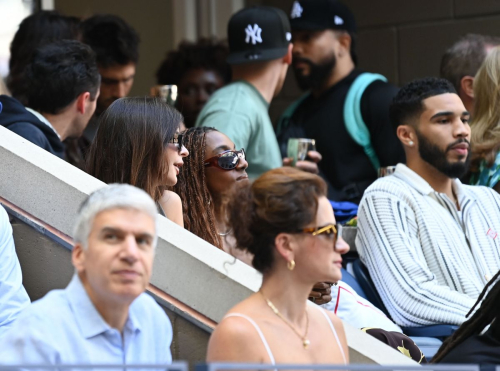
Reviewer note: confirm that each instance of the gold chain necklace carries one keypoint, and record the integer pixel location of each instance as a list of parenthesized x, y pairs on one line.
[(305, 341)]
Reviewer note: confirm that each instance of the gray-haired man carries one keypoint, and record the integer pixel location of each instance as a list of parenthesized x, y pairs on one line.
[(103, 315)]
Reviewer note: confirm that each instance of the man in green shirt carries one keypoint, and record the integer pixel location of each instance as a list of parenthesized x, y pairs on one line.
[(260, 53)]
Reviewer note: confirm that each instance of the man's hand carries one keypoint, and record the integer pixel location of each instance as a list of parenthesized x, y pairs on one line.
[(321, 293), (307, 165)]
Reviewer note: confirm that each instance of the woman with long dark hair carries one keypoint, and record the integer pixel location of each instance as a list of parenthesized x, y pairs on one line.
[(285, 220), (138, 143)]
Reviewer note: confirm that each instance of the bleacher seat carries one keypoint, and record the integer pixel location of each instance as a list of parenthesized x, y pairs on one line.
[(351, 281)]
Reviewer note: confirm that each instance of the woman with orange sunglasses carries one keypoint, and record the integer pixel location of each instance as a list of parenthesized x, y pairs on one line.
[(285, 220)]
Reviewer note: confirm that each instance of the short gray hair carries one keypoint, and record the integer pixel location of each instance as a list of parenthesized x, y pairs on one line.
[(465, 57), (114, 196)]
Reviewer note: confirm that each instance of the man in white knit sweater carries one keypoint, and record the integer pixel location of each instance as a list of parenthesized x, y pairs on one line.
[(429, 242)]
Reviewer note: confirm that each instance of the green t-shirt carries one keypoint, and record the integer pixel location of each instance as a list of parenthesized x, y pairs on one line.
[(239, 111)]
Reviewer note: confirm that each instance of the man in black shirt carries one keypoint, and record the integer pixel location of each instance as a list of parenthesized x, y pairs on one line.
[(346, 110)]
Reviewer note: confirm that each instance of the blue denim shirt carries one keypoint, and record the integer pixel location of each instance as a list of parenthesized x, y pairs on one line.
[(64, 327), (13, 296)]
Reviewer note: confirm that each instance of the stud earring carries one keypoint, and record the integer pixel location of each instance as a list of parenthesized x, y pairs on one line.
[(410, 143)]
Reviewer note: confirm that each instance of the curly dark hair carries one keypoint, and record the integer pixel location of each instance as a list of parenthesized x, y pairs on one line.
[(113, 40), (407, 104), (59, 73), (197, 203), (208, 54), (282, 200), (37, 30)]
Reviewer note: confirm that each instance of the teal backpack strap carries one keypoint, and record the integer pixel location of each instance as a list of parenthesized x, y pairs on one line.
[(353, 118), (288, 113)]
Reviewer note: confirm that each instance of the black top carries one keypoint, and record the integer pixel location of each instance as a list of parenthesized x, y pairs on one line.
[(478, 349), (345, 165), (22, 122)]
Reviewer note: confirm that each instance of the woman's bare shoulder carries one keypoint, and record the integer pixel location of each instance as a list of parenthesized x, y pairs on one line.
[(172, 206), (339, 329), (235, 339)]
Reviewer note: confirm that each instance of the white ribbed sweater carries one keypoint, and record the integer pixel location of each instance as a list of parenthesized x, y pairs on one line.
[(428, 261)]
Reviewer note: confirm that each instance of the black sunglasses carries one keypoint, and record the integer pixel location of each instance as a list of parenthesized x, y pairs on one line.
[(227, 160), (177, 140)]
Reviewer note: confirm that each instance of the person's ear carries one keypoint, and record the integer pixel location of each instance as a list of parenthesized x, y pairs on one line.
[(81, 102), (345, 41), (406, 135), (287, 59), (285, 244), (467, 86), (78, 257)]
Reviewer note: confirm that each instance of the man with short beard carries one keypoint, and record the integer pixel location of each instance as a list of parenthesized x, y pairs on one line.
[(430, 243), (324, 63)]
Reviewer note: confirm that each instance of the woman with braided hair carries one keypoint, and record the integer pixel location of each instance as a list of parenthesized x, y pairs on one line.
[(209, 174), (469, 344)]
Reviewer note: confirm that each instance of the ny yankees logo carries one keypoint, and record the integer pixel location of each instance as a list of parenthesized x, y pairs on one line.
[(254, 34), (296, 10)]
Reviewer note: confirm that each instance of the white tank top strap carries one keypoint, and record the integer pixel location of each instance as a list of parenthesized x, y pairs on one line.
[(334, 331), (257, 328)]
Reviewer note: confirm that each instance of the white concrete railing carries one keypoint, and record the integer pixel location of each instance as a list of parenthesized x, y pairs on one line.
[(189, 269)]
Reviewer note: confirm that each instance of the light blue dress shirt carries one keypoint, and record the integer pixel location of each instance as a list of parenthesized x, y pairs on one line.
[(13, 296), (64, 327)]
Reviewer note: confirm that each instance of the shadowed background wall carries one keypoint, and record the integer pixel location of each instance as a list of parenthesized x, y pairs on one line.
[(402, 40)]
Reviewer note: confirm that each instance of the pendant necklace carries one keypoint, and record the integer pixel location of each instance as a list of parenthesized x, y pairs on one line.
[(305, 341)]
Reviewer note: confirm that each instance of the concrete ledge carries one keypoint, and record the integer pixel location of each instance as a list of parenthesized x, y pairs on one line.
[(197, 275), (186, 267)]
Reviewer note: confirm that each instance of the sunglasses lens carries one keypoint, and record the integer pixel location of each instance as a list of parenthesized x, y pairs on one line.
[(330, 231), (228, 161), (179, 142)]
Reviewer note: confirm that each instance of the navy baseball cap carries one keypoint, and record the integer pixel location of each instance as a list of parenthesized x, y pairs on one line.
[(321, 15), (259, 33)]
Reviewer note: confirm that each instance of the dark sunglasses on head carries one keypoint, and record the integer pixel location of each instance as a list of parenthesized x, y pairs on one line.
[(227, 160), (177, 140)]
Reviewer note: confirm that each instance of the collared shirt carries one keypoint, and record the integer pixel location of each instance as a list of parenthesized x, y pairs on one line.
[(428, 261), (64, 327), (13, 296), (42, 119)]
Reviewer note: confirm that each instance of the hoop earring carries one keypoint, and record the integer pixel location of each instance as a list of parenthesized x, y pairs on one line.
[(291, 265)]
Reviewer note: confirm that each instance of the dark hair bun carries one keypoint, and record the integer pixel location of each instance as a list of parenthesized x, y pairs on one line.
[(282, 200)]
